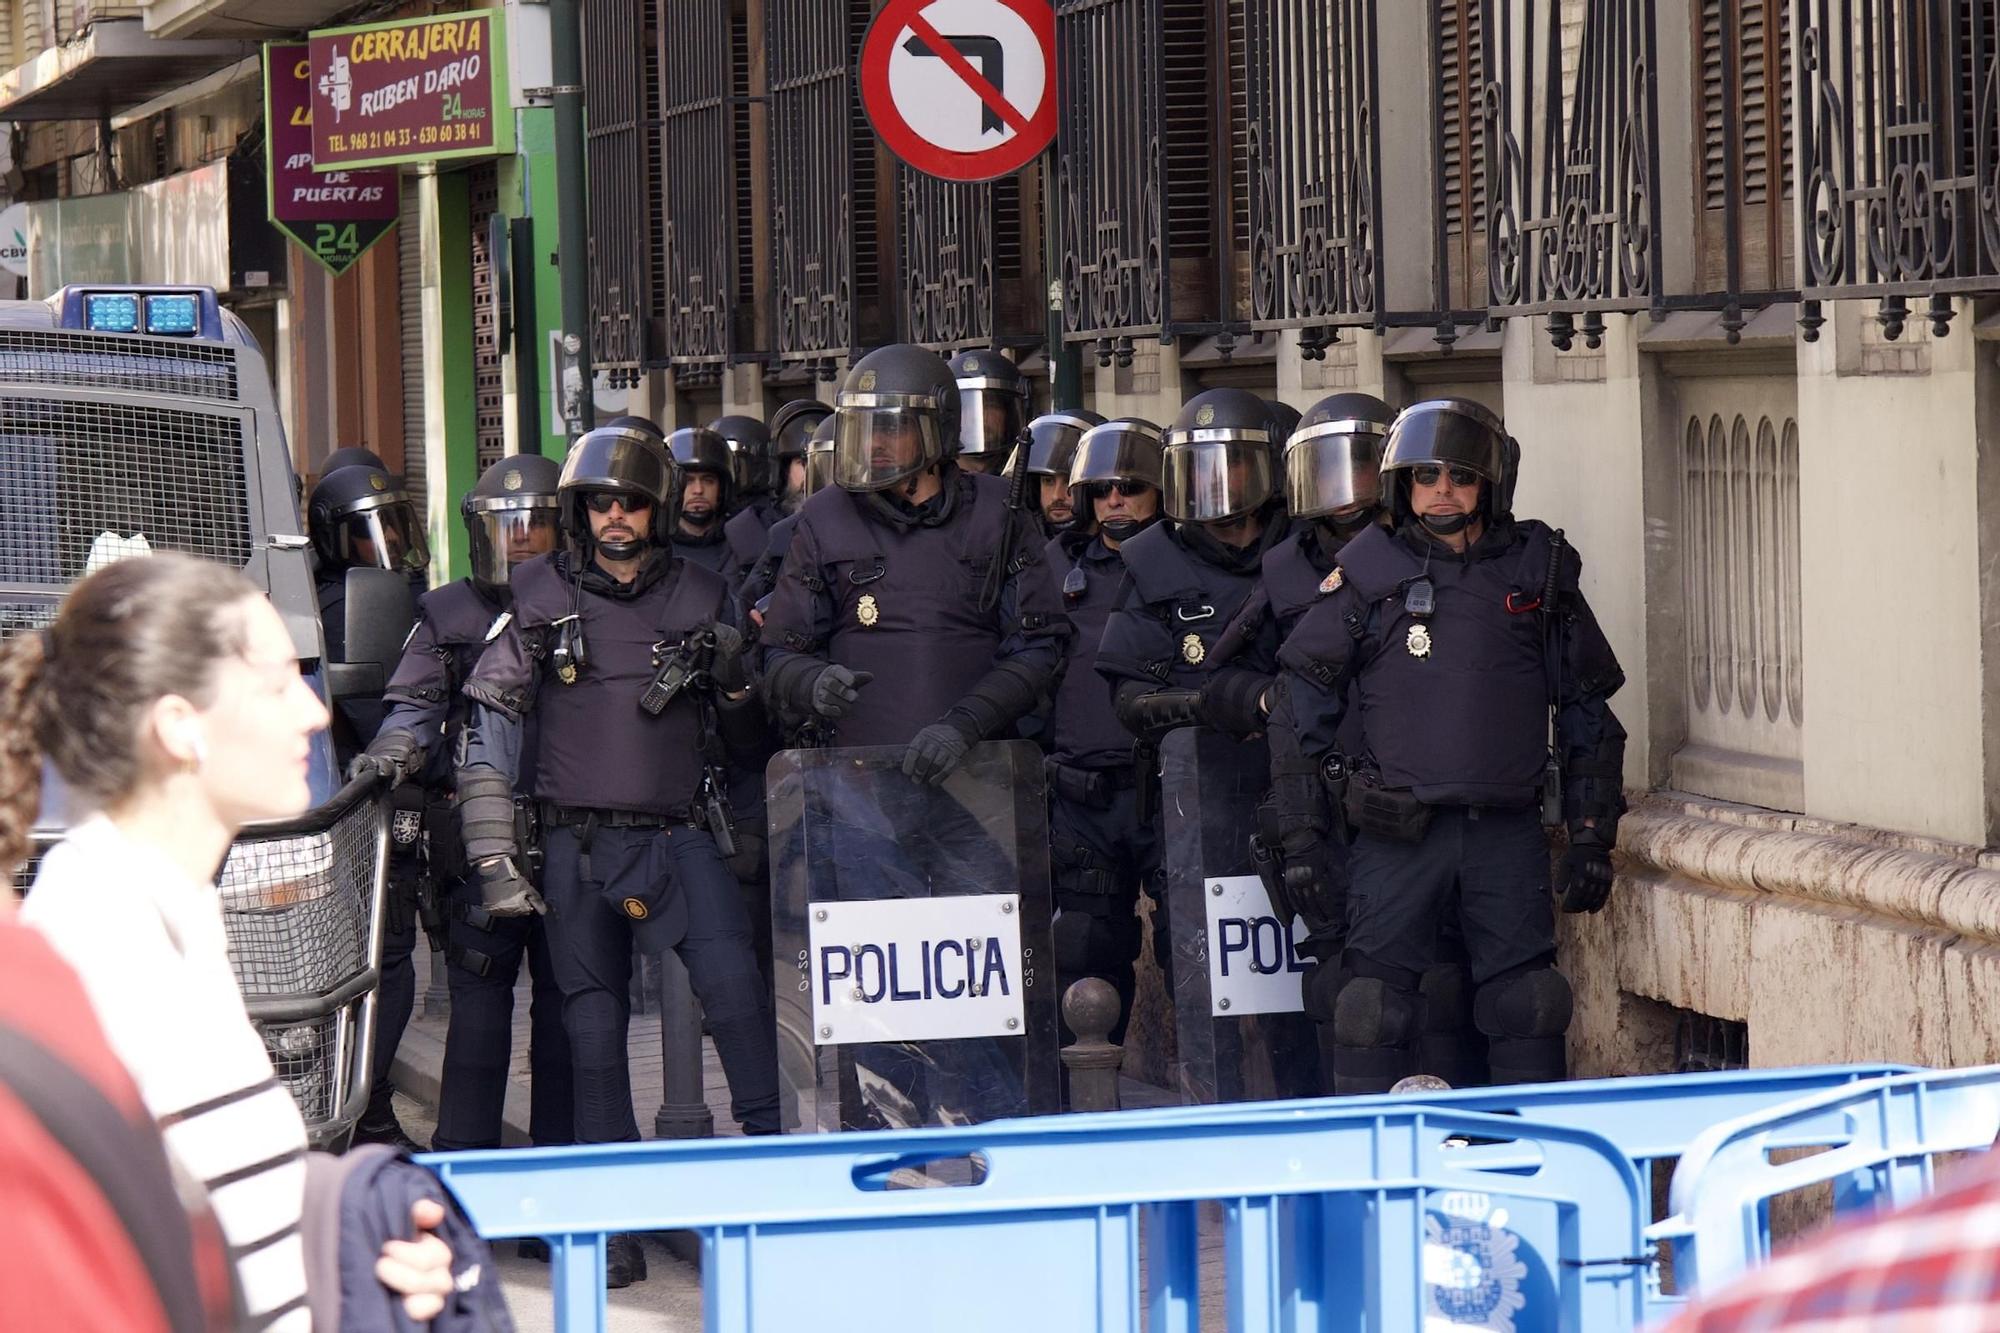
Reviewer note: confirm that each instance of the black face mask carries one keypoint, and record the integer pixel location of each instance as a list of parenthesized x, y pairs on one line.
[(1346, 529), (1123, 530), (1445, 525)]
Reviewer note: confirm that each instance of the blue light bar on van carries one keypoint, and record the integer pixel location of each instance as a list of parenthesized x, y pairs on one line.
[(116, 312), (175, 316), (166, 312)]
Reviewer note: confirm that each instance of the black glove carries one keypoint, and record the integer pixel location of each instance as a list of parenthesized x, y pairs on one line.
[(504, 891), (725, 665), (1159, 711), (1587, 873), (935, 753), (835, 690), (1316, 887), (1232, 701), (392, 756)]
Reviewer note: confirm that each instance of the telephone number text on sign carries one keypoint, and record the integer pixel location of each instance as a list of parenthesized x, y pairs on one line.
[(421, 136)]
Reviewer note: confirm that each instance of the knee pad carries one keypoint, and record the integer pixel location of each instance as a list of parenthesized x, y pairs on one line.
[(1534, 1003), (1372, 1013), (1447, 992), (1321, 985)]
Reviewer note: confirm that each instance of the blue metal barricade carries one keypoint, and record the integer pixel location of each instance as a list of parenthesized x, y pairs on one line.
[(1345, 1217), (1879, 1139)]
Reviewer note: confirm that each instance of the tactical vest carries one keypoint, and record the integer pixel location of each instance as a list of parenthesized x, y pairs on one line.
[(1291, 580), (1084, 729), (461, 621), (1197, 600), (597, 748), (1454, 705), (748, 531), (906, 606), (711, 552)]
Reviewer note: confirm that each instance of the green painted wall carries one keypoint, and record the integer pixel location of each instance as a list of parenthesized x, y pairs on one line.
[(528, 190), (457, 389)]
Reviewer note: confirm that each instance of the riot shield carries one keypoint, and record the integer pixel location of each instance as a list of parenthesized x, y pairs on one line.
[(1238, 1015), (910, 927)]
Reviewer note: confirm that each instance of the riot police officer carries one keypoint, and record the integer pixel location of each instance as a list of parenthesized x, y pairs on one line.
[(992, 408), (1189, 579), (630, 658), (749, 528), (910, 565), (359, 517), (1454, 638), (708, 485), (1051, 450), (1100, 851), (510, 518), (815, 471)]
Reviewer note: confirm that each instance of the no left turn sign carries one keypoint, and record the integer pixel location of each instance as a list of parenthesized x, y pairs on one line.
[(962, 89)]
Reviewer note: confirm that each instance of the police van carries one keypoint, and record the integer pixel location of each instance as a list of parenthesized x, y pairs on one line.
[(139, 419)]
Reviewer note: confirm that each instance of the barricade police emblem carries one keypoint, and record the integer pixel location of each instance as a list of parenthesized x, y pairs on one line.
[(405, 827), (1192, 650), (1419, 641), (867, 611), (1472, 1266)]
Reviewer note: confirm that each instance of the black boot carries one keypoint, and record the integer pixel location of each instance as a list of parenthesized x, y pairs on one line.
[(379, 1125), (624, 1261)]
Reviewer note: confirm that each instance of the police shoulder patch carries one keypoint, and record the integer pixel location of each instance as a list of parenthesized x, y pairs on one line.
[(1332, 582), (499, 625)]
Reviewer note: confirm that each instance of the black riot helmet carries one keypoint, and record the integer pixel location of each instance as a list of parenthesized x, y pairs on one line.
[(1284, 420), (703, 449), (361, 517), (1052, 441), (898, 407), (1218, 460), (752, 466), (511, 515), (1117, 452), (621, 460), (1450, 433), (351, 455), (819, 456), (992, 404), (792, 428), (630, 422), (1333, 459)]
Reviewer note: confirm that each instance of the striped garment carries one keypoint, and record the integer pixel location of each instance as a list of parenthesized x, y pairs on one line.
[(148, 944)]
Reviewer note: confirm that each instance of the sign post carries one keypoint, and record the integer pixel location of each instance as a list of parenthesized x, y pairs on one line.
[(336, 216), (963, 90), (418, 90)]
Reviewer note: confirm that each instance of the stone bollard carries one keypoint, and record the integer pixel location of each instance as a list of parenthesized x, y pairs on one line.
[(1090, 1007), (683, 1112)]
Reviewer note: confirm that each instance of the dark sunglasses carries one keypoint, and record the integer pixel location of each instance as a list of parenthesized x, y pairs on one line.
[(600, 502), (1461, 477), (1125, 486)]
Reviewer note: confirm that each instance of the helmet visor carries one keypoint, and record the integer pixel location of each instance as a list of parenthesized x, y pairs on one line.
[(876, 447), (386, 536), (1052, 447), (1116, 452), (503, 538), (1327, 470), (619, 458), (749, 471), (819, 470), (1215, 479), (989, 421), (1448, 433)]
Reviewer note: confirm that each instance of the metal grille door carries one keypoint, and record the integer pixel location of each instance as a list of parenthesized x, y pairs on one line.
[(488, 387)]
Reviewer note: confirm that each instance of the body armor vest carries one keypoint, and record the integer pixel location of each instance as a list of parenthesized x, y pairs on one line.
[(1085, 729), (596, 747)]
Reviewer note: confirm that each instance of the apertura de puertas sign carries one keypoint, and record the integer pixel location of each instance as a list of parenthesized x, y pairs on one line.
[(335, 216), (420, 90)]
